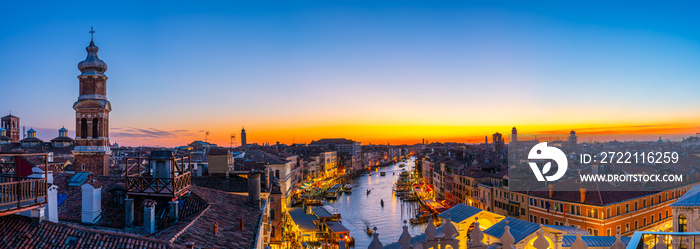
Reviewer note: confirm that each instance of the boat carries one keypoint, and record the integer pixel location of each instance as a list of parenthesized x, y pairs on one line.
[(332, 193), (347, 188), (383, 173), (369, 231), (368, 191), (382, 202), (402, 165)]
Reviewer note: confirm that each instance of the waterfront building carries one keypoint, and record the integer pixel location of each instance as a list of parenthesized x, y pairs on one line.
[(686, 211), (340, 145)]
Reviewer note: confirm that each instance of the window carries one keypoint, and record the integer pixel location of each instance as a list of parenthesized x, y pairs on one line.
[(595, 232), (607, 232), (666, 198), (272, 214), (95, 123), (652, 219), (607, 213), (627, 208), (277, 174), (573, 210), (618, 210), (644, 203), (578, 210), (618, 229), (273, 231), (83, 128), (636, 224), (636, 206), (682, 224), (644, 221), (82, 166), (666, 213), (627, 227)]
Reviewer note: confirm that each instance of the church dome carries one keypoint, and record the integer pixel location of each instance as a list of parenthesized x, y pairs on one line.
[(92, 65)]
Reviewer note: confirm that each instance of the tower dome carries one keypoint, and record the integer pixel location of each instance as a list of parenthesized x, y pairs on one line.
[(92, 65)]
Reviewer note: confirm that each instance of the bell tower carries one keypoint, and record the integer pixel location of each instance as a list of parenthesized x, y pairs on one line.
[(92, 115)]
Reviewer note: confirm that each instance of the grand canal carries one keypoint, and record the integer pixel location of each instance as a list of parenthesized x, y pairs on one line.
[(359, 210)]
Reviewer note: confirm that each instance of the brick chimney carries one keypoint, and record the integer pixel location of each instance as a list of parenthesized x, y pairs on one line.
[(551, 190), (583, 194)]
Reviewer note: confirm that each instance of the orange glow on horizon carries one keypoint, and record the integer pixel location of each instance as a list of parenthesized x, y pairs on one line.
[(406, 134)]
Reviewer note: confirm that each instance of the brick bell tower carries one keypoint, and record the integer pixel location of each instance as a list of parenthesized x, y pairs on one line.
[(92, 109)]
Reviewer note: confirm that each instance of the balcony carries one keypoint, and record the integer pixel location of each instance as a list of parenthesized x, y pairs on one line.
[(158, 186), (671, 240), (163, 176), (17, 192)]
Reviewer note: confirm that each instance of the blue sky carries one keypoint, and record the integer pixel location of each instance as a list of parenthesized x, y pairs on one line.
[(309, 68)]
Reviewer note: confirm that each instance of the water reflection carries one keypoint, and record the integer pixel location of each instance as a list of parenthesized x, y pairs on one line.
[(359, 209)]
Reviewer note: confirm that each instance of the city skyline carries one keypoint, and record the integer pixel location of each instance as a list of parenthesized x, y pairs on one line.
[(357, 70)]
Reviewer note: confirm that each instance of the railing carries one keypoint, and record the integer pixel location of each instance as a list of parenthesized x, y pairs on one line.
[(155, 186), (668, 239), (22, 193)]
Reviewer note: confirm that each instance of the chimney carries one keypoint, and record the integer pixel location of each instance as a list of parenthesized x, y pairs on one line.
[(583, 194), (173, 210), (52, 203), (149, 216), (129, 212), (242, 223), (254, 188), (189, 245), (551, 190), (92, 201)]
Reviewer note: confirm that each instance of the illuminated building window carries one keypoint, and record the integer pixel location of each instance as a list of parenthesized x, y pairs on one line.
[(682, 224)]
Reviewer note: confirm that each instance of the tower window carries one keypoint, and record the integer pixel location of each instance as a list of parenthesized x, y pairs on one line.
[(95, 123), (83, 128)]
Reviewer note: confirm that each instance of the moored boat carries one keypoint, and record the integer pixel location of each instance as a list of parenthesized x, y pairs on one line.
[(347, 188)]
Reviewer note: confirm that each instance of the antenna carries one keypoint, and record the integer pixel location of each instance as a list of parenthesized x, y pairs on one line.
[(206, 137), (233, 137)]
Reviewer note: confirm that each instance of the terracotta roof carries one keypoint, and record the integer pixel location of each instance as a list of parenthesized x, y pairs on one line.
[(233, 184), (225, 208), (19, 232)]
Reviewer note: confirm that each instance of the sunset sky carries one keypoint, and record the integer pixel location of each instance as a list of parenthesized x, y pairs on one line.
[(372, 71)]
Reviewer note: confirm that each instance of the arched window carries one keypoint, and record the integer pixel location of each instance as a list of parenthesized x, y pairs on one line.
[(83, 128), (273, 231), (277, 174), (95, 122), (272, 214), (82, 166), (682, 224)]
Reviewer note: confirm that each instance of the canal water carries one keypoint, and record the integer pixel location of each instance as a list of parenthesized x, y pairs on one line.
[(359, 210)]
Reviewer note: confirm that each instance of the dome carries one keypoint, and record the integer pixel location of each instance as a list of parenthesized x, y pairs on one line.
[(31, 130), (92, 65), (63, 129)]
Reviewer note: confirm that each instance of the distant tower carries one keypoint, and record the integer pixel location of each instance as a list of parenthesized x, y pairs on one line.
[(11, 125), (572, 140), (243, 138), (486, 139), (514, 136), (92, 115)]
